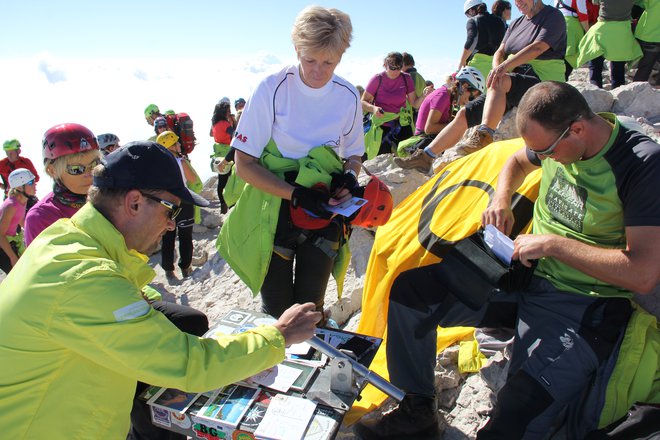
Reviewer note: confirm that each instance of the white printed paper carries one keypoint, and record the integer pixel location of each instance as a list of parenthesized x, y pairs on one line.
[(500, 244), (280, 377), (347, 207)]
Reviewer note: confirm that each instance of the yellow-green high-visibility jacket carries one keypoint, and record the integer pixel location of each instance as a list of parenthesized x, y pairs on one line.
[(76, 336)]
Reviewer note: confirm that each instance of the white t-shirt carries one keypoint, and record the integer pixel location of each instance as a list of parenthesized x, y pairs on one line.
[(299, 118)]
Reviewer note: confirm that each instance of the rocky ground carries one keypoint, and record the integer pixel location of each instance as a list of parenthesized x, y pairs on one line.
[(466, 400)]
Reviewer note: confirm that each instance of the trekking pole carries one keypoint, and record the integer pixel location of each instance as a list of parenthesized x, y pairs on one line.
[(362, 371)]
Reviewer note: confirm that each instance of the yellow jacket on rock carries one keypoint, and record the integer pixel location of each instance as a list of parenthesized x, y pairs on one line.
[(76, 336)]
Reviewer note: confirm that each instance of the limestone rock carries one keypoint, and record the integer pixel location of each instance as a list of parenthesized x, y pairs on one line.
[(599, 100), (637, 99)]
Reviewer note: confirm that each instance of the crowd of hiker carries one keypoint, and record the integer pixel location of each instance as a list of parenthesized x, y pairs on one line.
[(287, 160)]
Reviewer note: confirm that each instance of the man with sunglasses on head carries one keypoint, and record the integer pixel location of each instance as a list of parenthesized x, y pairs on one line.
[(596, 236), (75, 332)]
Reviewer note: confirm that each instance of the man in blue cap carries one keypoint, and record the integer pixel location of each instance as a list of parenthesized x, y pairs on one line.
[(76, 334)]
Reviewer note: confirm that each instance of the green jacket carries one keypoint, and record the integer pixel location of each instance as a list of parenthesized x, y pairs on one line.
[(247, 236), (76, 336), (374, 136), (482, 62), (613, 40), (648, 25), (636, 375), (574, 33)]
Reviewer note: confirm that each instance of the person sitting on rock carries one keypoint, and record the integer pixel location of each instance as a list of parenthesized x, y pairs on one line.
[(596, 238), (532, 51), (437, 111), (391, 92)]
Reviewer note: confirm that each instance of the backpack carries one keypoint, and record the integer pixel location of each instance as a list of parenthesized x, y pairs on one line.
[(182, 125)]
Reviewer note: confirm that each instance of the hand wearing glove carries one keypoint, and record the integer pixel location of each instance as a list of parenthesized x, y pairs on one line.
[(346, 181), (311, 200)]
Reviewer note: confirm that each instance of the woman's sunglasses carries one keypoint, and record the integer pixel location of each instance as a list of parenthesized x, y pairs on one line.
[(77, 170)]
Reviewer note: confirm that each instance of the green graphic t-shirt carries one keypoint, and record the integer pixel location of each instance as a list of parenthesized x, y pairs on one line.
[(594, 200)]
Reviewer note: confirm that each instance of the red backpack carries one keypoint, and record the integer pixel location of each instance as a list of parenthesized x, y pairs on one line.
[(182, 125)]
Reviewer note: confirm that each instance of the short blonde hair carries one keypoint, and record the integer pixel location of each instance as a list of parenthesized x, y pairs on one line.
[(59, 165), (322, 29)]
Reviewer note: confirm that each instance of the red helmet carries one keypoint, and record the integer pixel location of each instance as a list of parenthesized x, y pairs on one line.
[(303, 219), (64, 139), (379, 207)]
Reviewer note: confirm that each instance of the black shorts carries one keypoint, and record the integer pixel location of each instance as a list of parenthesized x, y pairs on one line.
[(474, 109), (519, 85)]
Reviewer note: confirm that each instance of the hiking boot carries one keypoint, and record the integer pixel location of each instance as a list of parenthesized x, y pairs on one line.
[(185, 272), (223, 208), (169, 274), (477, 140), (416, 417), (419, 161)]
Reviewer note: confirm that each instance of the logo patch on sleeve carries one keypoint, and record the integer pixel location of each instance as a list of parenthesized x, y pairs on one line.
[(132, 311)]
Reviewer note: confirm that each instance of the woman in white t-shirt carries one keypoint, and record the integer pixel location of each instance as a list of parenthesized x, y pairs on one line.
[(299, 108)]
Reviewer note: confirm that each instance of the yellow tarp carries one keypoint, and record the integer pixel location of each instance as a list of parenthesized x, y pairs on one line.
[(421, 230)]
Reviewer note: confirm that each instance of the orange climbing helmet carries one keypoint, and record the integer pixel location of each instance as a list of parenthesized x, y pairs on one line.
[(379, 205)]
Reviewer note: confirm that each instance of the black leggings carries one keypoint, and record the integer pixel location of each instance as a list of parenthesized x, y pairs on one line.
[(188, 320), (282, 288), (224, 178), (5, 264), (184, 227)]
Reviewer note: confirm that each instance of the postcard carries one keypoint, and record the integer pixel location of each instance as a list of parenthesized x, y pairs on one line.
[(173, 399), (257, 411), (228, 405), (324, 424)]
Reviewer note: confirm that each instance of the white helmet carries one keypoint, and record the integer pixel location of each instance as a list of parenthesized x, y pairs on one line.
[(473, 77), (469, 4), (19, 177), (106, 140)]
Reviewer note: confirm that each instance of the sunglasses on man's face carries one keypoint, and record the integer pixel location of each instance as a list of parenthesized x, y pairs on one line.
[(173, 209), (77, 170), (31, 182), (551, 149), (393, 67)]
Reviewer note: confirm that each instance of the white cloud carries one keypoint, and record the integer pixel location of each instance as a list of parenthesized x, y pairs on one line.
[(109, 95)]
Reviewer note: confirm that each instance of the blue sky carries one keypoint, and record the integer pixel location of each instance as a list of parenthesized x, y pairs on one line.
[(100, 63)]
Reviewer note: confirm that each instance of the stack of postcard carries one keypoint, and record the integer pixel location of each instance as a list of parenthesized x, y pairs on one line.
[(227, 405)]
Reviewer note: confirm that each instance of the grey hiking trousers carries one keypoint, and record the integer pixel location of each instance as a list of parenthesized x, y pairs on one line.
[(561, 339)]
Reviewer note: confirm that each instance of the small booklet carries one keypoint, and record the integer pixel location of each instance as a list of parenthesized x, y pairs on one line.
[(287, 418)]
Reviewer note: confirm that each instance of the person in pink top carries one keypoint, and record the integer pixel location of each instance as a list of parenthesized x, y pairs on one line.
[(21, 183), (390, 91), (70, 166)]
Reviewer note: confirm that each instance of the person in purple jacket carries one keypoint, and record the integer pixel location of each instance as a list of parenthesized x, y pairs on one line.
[(70, 152)]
